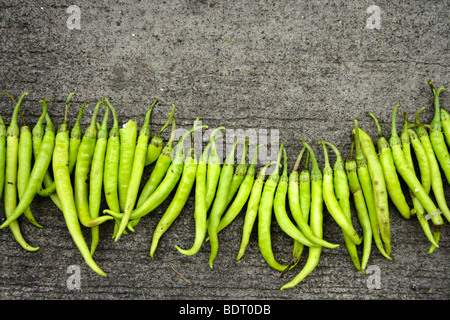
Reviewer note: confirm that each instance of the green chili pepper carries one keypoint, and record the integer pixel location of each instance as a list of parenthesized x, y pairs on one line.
[(265, 217), (200, 212), (3, 147), (10, 190), (160, 168), (390, 174), (239, 175), (38, 133), (60, 165), (410, 178), (279, 208), (165, 187), (242, 195), (367, 187), (156, 143), (294, 198), (111, 169), (437, 185), (316, 221), (293, 193), (305, 189), (414, 184), (213, 171), (220, 202), (332, 204), (96, 178), (128, 138), (422, 160), (445, 122), (252, 208), (342, 191), (379, 191), (75, 139), (25, 155), (360, 206), (136, 171), (82, 171), (437, 136), (37, 174), (283, 220), (419, 211), (159, 171), (180, 198)]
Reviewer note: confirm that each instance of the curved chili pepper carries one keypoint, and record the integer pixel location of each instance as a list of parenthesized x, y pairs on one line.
[(368, 190), (36, 177), (437, 136), (380, 195), (156, 143), (265, 217), (136, 171), (82, 170), (75, 140), (65, 192), (315, 222), (342, 191), (180, 198), (96, 178), (200, 211), (25, 155), (219, 204), (360, 207), (332, 204), (390, 174), (165, 187), (38, 133), (419, 211), (10, 191), (111, 170)]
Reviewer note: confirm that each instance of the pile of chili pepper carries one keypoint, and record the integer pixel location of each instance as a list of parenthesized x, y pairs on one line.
[(77, 169)]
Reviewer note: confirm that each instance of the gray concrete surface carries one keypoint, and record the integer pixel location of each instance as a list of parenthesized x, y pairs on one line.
[(305, 68)]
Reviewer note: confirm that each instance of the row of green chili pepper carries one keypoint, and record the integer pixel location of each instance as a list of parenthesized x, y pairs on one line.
[(76, 170)]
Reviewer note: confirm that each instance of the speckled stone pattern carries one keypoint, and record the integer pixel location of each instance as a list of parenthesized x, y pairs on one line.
[(299, 69)]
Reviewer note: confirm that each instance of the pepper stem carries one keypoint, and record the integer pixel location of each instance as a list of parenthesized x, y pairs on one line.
[(284, 163), (358, 150), (10, 96), (325, 153), (113, 111), (94, 116), (380, 133), (167, 122), (276, 172), (299, 159), (244, 152), (394, 122), (436, 122), (148, 115), (80, 114), (255, 155), (16, 109), (315, 165), (172, 134), (351, 157), (44, 111)]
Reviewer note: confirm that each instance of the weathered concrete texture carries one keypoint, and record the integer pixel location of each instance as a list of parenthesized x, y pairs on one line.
[(305, 68)]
